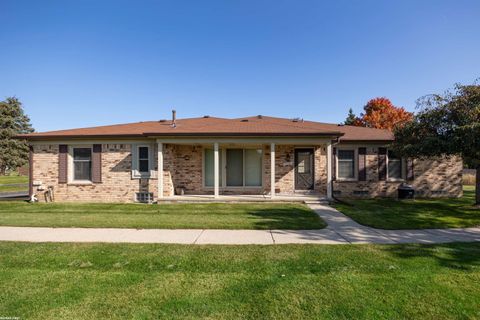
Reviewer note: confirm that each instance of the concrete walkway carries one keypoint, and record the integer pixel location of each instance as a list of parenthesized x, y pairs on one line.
[(341, 230)]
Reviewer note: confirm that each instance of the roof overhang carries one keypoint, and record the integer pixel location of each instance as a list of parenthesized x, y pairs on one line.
[(157, 135)]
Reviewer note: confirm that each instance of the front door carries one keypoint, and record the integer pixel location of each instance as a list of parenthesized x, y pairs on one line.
[(304, 169)]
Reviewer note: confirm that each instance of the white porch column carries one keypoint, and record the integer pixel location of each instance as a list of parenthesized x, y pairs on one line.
[(215, 169), (160, 169), (272, 170), (329, 170)]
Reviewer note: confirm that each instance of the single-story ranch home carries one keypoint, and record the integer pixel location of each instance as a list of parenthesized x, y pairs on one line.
[(212, 156)]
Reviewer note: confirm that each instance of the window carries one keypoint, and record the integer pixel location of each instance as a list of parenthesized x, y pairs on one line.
[(346, 164), (243, 167), (253, 167), (142, 160), (144, 197), (394, 168), (82, 164), (234, 167)]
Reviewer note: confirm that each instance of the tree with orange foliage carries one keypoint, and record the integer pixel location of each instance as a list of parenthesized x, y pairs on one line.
[(380, 113)]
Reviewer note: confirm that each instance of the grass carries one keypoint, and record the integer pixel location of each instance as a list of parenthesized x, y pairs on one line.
[(168, 216), (468, 179), (13, 179), (118, 281), (417, 214)]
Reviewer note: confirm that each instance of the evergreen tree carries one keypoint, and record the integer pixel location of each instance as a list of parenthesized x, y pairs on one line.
[(13, 121), (351, 118)]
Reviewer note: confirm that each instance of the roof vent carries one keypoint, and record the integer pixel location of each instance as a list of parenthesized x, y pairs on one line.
[(244, 120), (206, 116), (260, 116)]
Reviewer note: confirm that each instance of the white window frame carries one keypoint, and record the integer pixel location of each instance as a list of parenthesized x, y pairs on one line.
[(355, 163), (403, 170), (223, 155), (70, 165), (136, 174)]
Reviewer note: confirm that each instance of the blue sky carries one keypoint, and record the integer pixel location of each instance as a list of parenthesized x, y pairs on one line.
[(86, 63)]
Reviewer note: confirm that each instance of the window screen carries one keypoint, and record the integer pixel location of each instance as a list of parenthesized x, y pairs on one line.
[(394, 166), (253, 167), (82, 164), (346, 164), (234, 167), (143, 159)]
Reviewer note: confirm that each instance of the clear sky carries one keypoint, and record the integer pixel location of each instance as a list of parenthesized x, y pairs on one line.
[(85, 63)]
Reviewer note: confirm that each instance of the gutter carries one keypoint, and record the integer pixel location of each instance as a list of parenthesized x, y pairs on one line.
[(176, 134)]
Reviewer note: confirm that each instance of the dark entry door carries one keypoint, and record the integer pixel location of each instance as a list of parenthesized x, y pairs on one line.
[(304, 169)]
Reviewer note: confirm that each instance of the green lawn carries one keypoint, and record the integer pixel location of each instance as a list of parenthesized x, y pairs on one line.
[(417, 214), (169, 216), (118, 281), (13, 179)]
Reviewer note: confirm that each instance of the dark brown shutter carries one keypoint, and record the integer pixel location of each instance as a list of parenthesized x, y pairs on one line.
[(362, 168), (97, 163), (334, 164), (30, 171), (62, 163), (382, 164), (410, 173)]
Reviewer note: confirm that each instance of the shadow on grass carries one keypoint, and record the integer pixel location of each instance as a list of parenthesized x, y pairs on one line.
[(297, 218), (461, 256), (417, 214)]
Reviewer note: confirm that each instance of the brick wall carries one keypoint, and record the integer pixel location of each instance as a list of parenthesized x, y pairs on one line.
[(117, 183), (183, 169), (440, 177)]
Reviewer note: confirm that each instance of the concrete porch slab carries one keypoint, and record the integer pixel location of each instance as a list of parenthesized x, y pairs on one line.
[(302, 198)]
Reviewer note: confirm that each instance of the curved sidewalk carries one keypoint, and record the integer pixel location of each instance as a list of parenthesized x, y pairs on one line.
[(341, 230)]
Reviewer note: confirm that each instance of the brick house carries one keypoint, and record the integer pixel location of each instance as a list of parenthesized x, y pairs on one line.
[(215, 156)]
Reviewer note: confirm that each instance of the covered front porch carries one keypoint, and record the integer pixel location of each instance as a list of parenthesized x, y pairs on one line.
[(244, 169)]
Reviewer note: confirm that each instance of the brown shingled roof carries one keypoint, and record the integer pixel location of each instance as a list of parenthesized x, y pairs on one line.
[(211, 126)]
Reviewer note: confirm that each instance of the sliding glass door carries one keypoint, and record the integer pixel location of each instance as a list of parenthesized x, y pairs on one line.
[(234, 167), (243, 167)]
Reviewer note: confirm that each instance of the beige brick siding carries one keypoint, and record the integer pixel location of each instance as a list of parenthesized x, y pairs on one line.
[(183, 168), (441, 177), (117, 183)]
